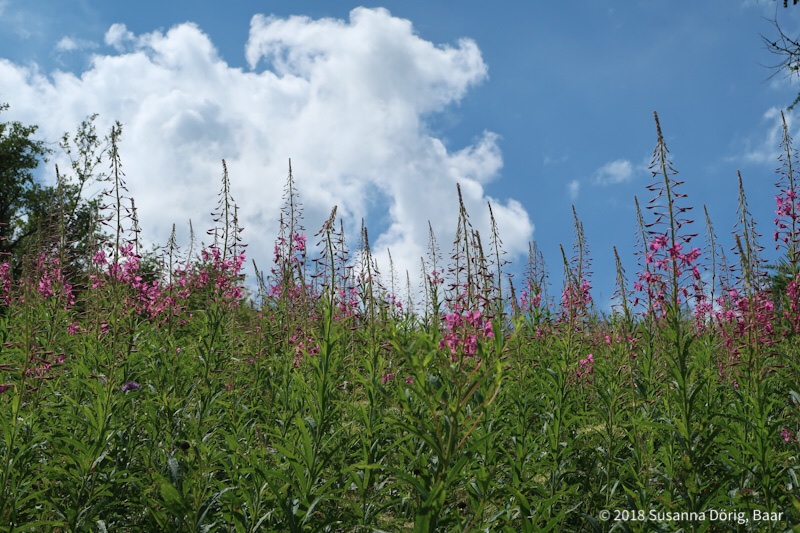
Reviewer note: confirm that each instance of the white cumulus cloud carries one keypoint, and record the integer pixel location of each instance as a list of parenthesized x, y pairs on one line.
[(766, 149), (119, 37), (618, 171), (71, 44), (573, 188), (346, 100)]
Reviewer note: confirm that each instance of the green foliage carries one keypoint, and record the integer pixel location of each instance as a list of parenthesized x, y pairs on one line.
[(54, 219), (160, 399), (20, 194)]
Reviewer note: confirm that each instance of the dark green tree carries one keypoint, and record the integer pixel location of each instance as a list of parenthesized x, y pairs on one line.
[(20, 193), (780, 274), (53, 219)]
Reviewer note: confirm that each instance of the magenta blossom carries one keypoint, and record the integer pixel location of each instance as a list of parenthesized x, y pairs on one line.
[(463, 331), (585, 367)]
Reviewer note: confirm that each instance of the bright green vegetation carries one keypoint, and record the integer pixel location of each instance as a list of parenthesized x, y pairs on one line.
[(145, 396)]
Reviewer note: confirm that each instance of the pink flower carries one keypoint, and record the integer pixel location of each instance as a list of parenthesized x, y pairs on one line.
[(658, 242), (299, 242), (585, 367), (5, 283), (100, 258)]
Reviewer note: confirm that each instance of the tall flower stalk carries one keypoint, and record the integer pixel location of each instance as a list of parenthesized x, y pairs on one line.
[(674, 275)]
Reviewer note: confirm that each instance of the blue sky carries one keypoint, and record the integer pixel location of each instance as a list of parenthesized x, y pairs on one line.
[(533, 106)]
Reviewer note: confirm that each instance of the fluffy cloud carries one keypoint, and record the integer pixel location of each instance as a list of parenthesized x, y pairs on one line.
[(119, 37), (70, 44), (767, 149), (346, 100), (573, 188), (618, 171)]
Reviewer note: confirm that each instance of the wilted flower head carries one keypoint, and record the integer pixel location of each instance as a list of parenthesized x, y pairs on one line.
[(131, 385)]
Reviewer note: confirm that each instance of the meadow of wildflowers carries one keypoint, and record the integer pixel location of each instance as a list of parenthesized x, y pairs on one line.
[(141, 395)]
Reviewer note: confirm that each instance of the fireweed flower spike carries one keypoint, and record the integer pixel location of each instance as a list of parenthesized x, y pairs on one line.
[(5, 283), (585, 368), (463, 331)]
